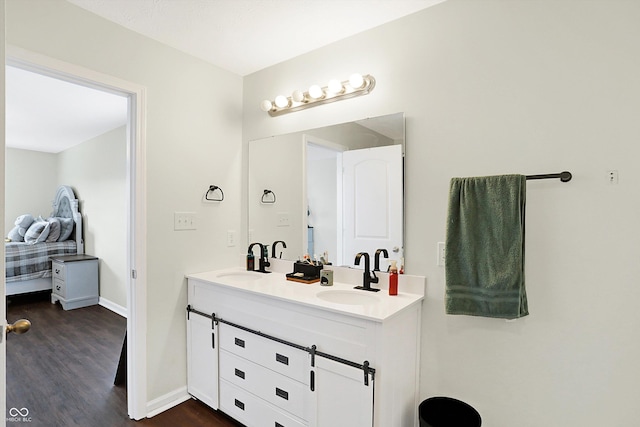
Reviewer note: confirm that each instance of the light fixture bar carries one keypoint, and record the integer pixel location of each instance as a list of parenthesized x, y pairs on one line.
[(296, 102)]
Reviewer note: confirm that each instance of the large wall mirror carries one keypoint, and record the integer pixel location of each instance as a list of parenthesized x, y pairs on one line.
[(330, 192)]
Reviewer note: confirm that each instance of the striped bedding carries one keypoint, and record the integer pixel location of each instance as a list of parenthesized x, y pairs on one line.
[(26, 261)]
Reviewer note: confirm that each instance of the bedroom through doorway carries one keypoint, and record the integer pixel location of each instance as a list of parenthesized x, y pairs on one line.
[(56, 103)]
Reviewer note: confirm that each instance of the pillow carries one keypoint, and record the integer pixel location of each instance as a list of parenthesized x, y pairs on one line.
[(14, 235), (24, 221), (37, 232), (54, 230), (66, 227)]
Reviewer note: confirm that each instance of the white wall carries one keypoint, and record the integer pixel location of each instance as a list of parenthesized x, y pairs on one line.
[(193, 140), (97, 171), (498, 87), (31, 186)]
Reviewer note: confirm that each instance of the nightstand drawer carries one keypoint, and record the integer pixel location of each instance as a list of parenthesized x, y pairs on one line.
[(57, 269), (59, 287)]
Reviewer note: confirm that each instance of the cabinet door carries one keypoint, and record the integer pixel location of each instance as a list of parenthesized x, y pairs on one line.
[(342, 398), (202, 359)]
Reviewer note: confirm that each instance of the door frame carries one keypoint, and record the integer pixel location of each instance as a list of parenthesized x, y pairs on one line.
[(136, 206)]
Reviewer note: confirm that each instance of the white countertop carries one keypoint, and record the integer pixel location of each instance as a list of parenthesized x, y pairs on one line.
[(275, 285)]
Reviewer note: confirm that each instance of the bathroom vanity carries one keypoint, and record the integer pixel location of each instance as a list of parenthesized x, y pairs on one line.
[(272, 352)]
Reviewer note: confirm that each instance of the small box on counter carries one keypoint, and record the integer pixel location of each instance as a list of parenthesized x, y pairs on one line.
[(304, 272)]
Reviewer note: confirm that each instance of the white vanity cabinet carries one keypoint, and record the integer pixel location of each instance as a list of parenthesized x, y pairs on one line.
[(202, 364), (276, 362)]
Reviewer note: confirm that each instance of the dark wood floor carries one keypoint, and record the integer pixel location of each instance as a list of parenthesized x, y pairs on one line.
[(62, 370)]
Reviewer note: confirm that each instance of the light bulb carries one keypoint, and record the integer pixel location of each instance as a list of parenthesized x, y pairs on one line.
[(282, 101), (356, 81), (316, 92), (266, 105), (297, 96), (335, 87)]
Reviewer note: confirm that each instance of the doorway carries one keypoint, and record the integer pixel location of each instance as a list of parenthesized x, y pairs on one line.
[(135, 201)]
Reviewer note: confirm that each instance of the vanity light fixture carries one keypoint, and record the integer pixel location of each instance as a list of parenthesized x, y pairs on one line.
[(356, 85)]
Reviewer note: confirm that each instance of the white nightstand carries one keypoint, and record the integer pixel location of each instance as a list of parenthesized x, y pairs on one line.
[(75, 280)]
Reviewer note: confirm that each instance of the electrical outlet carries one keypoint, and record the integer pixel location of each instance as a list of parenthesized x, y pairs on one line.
[(441, 253), (231, 238), (184, 221), (283, 219), (612, 176)]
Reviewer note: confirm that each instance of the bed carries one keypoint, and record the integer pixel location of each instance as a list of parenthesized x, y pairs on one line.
[(28, 266)]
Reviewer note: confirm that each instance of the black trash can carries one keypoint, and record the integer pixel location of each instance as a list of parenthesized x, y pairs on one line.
[(447, 412)]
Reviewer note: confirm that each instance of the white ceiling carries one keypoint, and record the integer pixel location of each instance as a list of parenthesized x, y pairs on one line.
[(241, 36), (245, 36), (51, 115)]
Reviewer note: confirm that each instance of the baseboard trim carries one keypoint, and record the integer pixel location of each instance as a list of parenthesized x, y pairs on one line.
[(167, 401), (110, 305)]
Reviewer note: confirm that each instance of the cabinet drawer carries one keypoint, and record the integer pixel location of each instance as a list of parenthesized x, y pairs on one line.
[(273, 387), (57, 270), (59, 287), (278, 357), (251, 410)]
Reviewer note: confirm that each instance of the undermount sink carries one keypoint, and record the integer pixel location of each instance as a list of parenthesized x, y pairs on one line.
[(348, 297), (247, 276)]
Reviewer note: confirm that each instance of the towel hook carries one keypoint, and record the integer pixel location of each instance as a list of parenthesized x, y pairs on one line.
[(265, 199), (211, 189)]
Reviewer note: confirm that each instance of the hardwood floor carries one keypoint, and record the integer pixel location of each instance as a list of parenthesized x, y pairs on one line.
[(62, 371)]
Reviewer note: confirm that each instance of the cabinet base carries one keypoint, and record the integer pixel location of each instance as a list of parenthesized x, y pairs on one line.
[(75, 303)]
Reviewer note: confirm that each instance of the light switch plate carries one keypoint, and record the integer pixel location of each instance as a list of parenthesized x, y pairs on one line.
[(184, 221)]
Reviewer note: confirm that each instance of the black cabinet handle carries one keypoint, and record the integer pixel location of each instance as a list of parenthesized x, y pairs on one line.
[(239, 373), (282, 359), (239, 404), (239, 342), (281, 393)]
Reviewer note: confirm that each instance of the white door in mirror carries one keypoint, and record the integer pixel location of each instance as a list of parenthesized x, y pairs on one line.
[(372, 201)]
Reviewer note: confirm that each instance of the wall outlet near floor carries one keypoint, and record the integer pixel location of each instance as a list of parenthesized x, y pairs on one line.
[(440, 260), (184, 221)]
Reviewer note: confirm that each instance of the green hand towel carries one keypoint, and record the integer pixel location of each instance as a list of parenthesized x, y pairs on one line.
[(484, 252)]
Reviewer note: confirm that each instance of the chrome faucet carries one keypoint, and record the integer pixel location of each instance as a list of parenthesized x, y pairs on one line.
[(368, 277), (273, 248), (376, 264), (263, 261)]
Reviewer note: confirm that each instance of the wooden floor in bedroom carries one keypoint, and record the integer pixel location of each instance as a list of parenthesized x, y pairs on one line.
[(61, 372)]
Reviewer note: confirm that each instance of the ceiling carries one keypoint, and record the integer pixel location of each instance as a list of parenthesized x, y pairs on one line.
[(245, 36), (240, 36)]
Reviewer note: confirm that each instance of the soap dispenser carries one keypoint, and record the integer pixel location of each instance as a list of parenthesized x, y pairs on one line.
[(393, 278)]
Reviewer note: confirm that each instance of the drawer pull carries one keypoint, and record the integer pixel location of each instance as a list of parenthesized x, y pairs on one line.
[(282, 359), (239, 373), (239, 342), (281, 393), (239, 404), (278, 424)]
